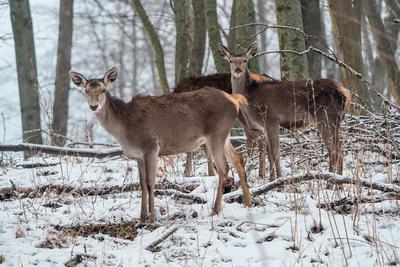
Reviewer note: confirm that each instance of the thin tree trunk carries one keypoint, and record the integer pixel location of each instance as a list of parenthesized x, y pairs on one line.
[(346, 18), (199, 39), (332, 70), (181, 47), (232, 38), (262, 13), (214, 36), (245, 14), (155, 42), (312, 26), (61, 93), (26, 68), (134, 57), (289, 13)]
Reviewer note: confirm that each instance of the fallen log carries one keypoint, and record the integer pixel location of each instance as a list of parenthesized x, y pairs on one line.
[(12, 192), (328, 177), (152, 246), (62, 151)]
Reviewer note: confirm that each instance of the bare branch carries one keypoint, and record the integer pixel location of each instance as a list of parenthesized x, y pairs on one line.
[(331, 178)]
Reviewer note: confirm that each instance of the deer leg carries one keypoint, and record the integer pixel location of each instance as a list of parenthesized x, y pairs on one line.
[(274, 151), (143, 186), (330, 136), (217, 151), (189, 165), (261, 148), (151, 170), (237, 161), (210, 165)]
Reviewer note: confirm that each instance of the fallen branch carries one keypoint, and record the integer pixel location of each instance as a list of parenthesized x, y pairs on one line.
[(62, 151), (331, 178), (171, 189), (179, 195), (165, 235)]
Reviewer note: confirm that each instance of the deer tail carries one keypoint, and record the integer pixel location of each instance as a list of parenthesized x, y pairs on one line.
[(244, 114)]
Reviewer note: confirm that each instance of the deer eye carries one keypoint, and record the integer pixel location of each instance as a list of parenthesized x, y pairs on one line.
[(86, 91), (103, 91)]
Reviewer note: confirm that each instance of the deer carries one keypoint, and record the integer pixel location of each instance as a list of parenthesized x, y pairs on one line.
[(222, 81), (294, 105), (150, 126)]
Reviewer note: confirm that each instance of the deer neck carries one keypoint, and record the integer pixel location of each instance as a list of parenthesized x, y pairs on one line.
[(239, 83), (109, 118)]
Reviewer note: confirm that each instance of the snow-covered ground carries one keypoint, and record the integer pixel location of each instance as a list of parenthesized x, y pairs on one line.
[(282, 229)]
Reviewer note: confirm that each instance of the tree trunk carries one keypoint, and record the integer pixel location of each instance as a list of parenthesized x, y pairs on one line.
[(311, 17), (182, 49), (26, 68), (245, 36), (199, 39), (262, 14), (346, 18), (155, 42), (232, 38), (61, 93), (214, 36), (289, 13)]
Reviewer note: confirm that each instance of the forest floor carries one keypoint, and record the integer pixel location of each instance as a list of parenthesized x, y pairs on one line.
[(68, 211)]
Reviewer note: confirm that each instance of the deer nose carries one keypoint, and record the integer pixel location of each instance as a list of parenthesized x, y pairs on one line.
[(94, 107), (237, 70)]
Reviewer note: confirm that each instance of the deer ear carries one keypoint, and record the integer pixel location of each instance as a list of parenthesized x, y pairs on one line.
[(251, 51), (78, 79), (110, 76), (223, 51)]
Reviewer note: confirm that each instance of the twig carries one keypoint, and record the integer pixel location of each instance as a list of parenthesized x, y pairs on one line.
[(178, 194), (165, 235)]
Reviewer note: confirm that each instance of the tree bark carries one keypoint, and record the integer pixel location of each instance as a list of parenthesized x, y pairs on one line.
[(26, 68), (155, 42), (289, 13), (61, 93), (262, 13), (245, 36), (214, 36), (311, 17), (182, 49), (346, 18), (199, 39), (386, 49)]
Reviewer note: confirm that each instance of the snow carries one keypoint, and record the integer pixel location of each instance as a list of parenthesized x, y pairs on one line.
[(279, 231)]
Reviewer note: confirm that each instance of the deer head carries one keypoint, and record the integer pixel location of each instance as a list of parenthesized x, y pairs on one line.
[(238, 62), (95, 89)]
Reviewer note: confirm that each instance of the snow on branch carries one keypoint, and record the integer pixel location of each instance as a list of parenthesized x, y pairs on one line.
[(331, 178), (62, 151)]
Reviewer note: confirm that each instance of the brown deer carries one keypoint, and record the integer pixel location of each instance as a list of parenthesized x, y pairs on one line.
[(150, 126), (222, 81), (291, 104)]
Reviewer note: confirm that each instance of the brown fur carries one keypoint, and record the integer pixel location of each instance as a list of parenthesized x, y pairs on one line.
[(150, 126), (291, 103), (222, 81)]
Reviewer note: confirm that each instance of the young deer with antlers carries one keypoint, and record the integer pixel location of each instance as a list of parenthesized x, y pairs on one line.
[(222, 81), (291, 104), (149, 126)]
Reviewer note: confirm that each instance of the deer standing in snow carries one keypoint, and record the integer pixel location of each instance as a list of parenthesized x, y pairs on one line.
[(222, 81), (150, 126), (291, 104)]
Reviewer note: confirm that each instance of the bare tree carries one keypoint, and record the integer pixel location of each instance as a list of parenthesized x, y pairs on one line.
[(289, 13), (244, 36), (199, 39), (346, 17), (26, 68), (214, 36), (155, 42), (182, 49), (61, 93), (311, 17)]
